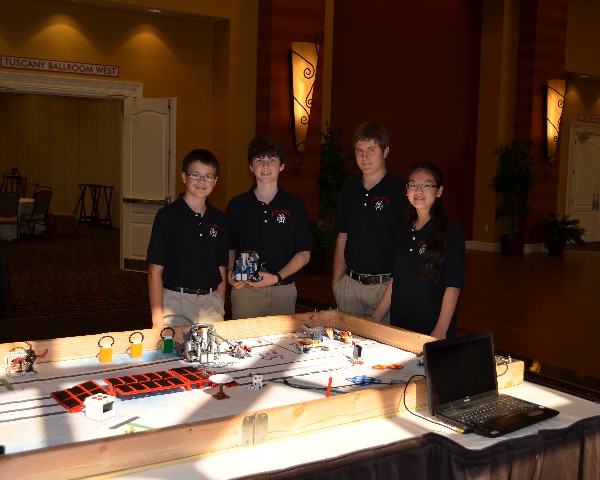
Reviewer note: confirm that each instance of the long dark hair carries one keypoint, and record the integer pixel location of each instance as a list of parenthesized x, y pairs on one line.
[(433, 258)]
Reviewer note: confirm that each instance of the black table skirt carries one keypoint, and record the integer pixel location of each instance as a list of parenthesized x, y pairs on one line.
[(561, 454)]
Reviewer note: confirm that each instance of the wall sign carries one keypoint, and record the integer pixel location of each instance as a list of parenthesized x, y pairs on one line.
[(59, 66), (587, 117)]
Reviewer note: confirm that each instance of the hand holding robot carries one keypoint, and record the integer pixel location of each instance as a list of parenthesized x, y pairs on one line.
[(247, 268)]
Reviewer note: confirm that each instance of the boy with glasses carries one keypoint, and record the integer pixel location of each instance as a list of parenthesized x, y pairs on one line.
[(187, 254), (272, 223), (370, 210)]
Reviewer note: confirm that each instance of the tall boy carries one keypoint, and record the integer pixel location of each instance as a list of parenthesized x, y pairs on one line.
[(274, 224), (370, 208), (187, 253)]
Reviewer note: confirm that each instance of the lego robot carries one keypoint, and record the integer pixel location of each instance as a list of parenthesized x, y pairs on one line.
[(247, 268), (199, 340)]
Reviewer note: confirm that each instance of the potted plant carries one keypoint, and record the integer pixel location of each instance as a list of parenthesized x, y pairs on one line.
[(324, 238), (558, 231), (333, 170), (513, 182)]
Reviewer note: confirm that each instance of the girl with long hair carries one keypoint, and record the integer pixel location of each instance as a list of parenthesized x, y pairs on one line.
[(428, 274)]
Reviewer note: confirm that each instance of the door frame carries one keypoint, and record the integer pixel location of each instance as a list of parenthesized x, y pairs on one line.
[(576, 129), (76, 87)]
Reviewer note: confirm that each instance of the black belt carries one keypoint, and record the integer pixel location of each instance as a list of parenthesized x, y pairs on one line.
[(368, 279), (195, 291)]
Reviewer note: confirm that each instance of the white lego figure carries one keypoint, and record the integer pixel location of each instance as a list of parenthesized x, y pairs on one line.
[(257, 382), (99, 406)]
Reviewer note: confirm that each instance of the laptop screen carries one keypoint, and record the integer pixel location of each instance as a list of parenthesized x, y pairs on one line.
[(459, 367)]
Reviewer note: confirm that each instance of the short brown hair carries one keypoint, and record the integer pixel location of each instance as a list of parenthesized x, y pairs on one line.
[(372, 131)]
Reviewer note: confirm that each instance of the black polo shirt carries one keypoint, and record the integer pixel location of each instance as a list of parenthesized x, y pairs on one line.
[(276, 232), (416, 303), (189, 246), (371, 219)]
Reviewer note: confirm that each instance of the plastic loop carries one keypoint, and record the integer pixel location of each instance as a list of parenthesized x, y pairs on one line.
[(163, 331), (106, 336), (130, 341)]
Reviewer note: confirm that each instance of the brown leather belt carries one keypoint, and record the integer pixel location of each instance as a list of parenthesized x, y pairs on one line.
[(368, 279), (194, 291)]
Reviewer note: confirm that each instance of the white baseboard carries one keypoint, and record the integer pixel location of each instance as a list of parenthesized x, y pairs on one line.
[(496, 247), (482, 246)]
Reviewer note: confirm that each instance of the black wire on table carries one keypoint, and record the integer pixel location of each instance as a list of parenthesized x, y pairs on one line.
[(454, 429)]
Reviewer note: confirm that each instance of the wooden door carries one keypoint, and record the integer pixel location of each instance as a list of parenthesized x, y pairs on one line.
[(148, 172), (584, 187)]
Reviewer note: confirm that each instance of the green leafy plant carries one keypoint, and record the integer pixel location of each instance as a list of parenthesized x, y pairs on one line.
[(560, 230), (334, 169), (513, 181), (324, 237)]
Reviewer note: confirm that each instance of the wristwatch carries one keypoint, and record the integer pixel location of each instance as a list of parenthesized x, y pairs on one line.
[(279, 279)]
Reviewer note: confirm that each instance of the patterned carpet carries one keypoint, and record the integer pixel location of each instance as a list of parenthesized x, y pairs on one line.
[(70, 285)]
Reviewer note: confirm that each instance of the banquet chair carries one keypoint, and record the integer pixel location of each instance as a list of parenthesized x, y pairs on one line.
[(31, 189), (39, 213), (69, 217), (9, 209)]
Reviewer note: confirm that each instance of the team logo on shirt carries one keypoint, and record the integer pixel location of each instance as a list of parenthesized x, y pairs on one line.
[(213, 229), (281, 216), (421, 246), (379, 202)]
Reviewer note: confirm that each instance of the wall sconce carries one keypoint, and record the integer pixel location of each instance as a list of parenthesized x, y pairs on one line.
[(555, 99), (303, 57)]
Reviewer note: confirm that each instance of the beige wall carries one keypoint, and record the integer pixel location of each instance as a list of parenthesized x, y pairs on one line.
[(583, 18), (210, 68)]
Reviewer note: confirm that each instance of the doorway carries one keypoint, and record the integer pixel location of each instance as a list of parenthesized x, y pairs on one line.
[(583, 198), (89, 106), (138, 179)]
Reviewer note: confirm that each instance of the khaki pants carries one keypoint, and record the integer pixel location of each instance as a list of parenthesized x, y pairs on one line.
[(250, 302), (354, 298), (189, 308)]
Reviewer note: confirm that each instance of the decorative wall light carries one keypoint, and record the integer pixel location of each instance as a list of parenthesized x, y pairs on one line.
[(555, 99), (303, 57)]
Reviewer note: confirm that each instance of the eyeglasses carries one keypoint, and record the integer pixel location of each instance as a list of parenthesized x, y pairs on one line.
[(424, 187), (265, 161), (205, 178)]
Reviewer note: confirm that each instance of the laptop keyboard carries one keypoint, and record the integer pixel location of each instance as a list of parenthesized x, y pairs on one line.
[(500, 407)]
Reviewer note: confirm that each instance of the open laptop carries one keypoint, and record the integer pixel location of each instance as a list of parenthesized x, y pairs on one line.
[(461, 383)]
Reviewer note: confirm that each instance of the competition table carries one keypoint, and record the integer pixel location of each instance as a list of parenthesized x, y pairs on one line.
[(185, 433)]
